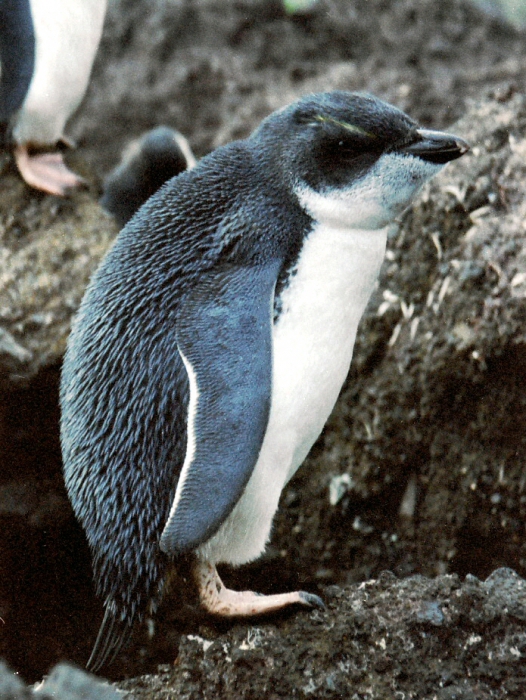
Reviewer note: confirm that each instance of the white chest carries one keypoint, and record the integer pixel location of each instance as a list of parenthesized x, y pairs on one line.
[(314, 336)]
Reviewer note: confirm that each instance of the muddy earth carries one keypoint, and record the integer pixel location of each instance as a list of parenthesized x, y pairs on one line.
[(420, 468)]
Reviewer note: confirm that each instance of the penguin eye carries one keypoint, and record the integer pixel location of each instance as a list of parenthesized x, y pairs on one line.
[(340, 160), (343, 140), (339, 150), (350, 148)]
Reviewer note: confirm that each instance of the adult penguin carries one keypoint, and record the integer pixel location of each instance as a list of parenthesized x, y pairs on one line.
[(47, 48)]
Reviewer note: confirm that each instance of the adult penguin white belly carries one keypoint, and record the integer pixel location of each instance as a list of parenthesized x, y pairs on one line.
[(65, 36)]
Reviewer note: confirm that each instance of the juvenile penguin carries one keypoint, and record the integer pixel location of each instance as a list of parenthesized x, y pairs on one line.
[(146, 164), (47, 48), (213, 341)]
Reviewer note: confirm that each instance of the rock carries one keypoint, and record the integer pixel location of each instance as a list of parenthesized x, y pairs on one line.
[(215, 70), (11, 687), (413, 638), (48, 250), (65, 682)]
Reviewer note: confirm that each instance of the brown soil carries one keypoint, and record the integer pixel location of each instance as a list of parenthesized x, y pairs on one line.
[(434, 405)]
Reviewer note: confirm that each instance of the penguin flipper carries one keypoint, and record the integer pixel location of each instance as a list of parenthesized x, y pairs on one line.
[(224, 337)]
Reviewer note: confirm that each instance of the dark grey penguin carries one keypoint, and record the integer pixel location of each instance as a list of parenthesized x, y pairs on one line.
[(213, 341), (146, 164), (47, 48)]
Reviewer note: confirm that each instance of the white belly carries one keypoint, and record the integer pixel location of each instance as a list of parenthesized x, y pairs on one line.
[(67, 36), (313, 341)]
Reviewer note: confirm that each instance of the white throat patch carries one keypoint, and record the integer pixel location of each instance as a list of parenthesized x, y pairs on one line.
[(374, 200)]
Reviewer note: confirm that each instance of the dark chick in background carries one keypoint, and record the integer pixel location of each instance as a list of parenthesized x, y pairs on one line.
[(213, 342), (147, 163)]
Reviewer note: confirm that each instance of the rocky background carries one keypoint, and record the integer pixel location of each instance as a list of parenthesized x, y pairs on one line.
[(420, 469)]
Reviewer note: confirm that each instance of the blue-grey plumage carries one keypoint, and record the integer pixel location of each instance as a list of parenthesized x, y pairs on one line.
[(213, 341), (147, 163), (47, 48)]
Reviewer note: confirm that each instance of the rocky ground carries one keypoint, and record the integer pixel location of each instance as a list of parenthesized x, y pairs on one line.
[(420, 468), (372, 643)]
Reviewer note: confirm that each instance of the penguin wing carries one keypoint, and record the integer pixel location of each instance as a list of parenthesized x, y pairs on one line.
[(17, 54), (224, 337)]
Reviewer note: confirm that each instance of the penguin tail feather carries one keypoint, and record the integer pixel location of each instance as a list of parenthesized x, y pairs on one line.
[(113, 634)]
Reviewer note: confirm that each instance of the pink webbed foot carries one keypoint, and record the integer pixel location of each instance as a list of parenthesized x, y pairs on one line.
[(219, 600), (46, 172)]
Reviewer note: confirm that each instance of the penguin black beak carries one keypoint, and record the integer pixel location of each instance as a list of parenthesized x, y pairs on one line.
[(436, 146)]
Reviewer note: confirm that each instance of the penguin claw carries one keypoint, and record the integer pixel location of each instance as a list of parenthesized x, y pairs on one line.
[(217, 599), (311, 600), (46, 172)]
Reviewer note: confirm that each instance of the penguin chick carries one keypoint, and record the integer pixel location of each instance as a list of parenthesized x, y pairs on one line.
[(146, 164), (47, 48), (214, 339)]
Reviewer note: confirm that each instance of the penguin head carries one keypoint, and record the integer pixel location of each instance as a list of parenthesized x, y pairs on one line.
[(352, 158)]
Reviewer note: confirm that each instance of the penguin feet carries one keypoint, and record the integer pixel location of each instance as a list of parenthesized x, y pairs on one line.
[(46, 171), (219, 600)]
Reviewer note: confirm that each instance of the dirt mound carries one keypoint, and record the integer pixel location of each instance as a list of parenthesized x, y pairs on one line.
[(214, 70)]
